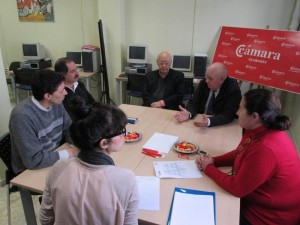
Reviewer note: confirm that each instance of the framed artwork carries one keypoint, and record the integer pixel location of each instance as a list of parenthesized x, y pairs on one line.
[(35, 10)]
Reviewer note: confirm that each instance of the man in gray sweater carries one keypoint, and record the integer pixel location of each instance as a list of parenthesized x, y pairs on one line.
[(40, 124)]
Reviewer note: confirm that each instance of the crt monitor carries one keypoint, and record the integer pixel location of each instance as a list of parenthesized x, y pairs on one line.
[(75, 56), (181, 62), (33, 51), (137, 55)]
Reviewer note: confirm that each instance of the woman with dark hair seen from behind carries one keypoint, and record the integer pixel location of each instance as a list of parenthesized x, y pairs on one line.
[(90, 189), (265, 165)]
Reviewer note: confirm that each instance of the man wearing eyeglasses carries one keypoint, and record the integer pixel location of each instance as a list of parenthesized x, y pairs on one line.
[(73, 86), (217, 97), (163, 87)]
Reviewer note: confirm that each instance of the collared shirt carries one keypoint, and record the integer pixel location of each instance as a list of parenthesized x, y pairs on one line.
[(75, 86)]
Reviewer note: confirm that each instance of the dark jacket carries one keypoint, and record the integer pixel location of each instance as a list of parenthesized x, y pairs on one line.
[(225, 105), (173, 89), (79, 91)]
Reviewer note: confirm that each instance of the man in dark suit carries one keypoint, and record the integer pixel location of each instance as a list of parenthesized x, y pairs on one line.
[(163, 87), (217, 97)]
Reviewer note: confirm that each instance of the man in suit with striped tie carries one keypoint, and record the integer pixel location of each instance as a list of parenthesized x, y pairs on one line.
[(217, 97)]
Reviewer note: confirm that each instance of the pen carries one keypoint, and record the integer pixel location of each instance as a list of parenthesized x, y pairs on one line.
[(154, 155), (150, 150)]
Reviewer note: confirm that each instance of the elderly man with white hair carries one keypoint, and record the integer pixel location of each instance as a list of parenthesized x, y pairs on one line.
[(217, 97)]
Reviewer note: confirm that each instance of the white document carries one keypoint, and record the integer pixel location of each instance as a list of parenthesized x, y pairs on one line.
[(176, 169), (160, 142), (149, 191), (192, 207)]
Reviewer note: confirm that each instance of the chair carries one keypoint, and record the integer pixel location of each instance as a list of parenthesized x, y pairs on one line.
[(12, 66), (5, 155), (188, 88), (23, 79), (135, 86)]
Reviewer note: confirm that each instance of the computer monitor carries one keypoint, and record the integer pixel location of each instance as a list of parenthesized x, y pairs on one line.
[(33, 51), (137, 55), (181, 62), (76, 57)]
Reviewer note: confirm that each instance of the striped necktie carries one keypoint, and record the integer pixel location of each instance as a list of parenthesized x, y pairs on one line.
[(210, 105)]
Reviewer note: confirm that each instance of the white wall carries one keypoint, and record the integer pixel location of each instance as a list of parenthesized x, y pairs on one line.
[(5, 108), (75, 25), (186, 27)]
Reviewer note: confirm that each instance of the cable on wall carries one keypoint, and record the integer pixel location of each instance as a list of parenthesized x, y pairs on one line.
[(193, 30), (82, 26)]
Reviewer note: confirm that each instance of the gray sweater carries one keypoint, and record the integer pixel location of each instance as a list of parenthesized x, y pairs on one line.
[(35, 134)]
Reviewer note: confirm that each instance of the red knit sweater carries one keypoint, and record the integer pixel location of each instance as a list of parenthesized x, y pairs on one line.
[(267, 177)]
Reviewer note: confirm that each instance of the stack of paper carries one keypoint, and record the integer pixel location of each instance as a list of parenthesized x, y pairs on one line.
[(192, 207), (149, 191), (160, 142), (176, 169)]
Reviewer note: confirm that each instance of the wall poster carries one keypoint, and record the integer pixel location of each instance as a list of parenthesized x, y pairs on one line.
[(35, 10), (265, 57)]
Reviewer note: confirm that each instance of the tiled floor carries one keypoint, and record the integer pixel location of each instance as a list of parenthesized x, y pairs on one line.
[(17, 213)]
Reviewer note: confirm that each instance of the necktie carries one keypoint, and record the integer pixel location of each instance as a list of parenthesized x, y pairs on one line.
[(209, 110)]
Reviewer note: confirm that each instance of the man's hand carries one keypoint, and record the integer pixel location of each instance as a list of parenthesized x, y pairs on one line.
[(155, 105), (182, 115), (203, 122)]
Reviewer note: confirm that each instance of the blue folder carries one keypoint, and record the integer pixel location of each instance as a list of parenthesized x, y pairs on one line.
[(192, 192)]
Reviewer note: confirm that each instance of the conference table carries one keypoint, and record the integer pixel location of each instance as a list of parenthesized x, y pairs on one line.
[(214, 140)]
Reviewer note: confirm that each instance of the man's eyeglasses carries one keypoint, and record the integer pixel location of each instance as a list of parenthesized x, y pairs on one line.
[(123, 131)]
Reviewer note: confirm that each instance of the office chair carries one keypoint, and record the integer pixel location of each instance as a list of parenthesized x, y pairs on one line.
[(23, 79), (135, 86), (5, 155), (188, 88), (12, 66)]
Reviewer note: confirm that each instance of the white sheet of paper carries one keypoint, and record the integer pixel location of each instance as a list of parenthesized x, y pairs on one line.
[(192, 209), (149, 191), (161, 142), (176, 169)]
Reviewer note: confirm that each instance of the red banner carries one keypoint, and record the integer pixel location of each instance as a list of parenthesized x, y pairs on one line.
[(266, 57)]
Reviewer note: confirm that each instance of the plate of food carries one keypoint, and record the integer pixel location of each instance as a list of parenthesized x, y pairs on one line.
[(184, 146), (132, 136)]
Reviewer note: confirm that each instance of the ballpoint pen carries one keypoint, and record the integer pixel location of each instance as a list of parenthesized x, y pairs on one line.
[(153, 153)]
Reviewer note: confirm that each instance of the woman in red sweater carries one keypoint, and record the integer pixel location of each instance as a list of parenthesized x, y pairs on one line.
[(265, 165)]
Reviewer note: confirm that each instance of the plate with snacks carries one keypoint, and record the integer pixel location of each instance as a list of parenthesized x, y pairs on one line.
[(184, 146), (132, 136)]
